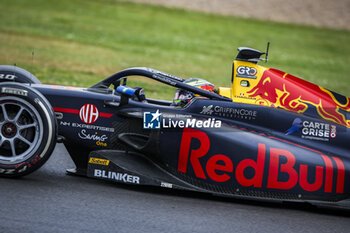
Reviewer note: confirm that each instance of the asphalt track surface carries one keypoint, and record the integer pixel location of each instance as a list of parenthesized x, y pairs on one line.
[(51, 201)]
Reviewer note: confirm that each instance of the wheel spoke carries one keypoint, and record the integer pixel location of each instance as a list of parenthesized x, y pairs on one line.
[(18, 114), (24, 140), (2, 141), (21, 127), (13, 149), (4, 112)]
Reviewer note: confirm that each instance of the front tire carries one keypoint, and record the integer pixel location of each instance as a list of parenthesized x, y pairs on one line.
[(27, 129), (16, 74)]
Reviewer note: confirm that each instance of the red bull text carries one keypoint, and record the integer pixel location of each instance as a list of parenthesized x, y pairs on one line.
[(221, 168)]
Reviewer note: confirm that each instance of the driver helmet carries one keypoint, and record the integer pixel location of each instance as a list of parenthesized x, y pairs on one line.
[(182, 97)]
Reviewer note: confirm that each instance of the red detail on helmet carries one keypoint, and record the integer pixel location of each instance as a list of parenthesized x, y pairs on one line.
[(207, 88)]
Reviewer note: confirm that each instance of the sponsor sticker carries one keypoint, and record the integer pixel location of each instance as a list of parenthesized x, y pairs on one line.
[(123, 177), (99, 138), (85, 126), (15, 91), (94, 137), (242, 96), (240, 113), (99, 161), (246, 72), (88, 113), (98, 143), (59, 115), (166, 185), (312, 130), (164, 79), (207, 110), (284, 170), (10, 77)]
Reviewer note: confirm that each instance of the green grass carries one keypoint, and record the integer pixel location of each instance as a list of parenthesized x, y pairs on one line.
[(80, 42)]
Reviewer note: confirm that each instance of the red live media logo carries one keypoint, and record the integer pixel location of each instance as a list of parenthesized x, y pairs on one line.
[(323, 174)]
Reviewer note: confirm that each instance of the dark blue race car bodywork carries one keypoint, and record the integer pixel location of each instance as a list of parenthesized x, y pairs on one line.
[(213, 144)]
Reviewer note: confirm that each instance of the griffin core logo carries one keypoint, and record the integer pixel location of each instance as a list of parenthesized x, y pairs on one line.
[(239, 113), (207, 110)]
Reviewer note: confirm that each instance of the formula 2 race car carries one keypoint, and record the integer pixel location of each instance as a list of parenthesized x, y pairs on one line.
[(269, 136)]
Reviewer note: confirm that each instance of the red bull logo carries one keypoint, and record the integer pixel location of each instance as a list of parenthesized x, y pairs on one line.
[(279, 89), (279, 162)]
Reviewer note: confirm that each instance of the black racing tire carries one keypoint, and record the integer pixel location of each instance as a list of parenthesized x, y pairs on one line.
[(16, 74), (27, 129)]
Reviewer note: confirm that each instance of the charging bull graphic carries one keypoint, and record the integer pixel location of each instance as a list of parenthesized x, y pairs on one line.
[(291, 93)]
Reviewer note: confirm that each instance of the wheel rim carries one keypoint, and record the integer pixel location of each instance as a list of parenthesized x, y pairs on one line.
[(21, 130)]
